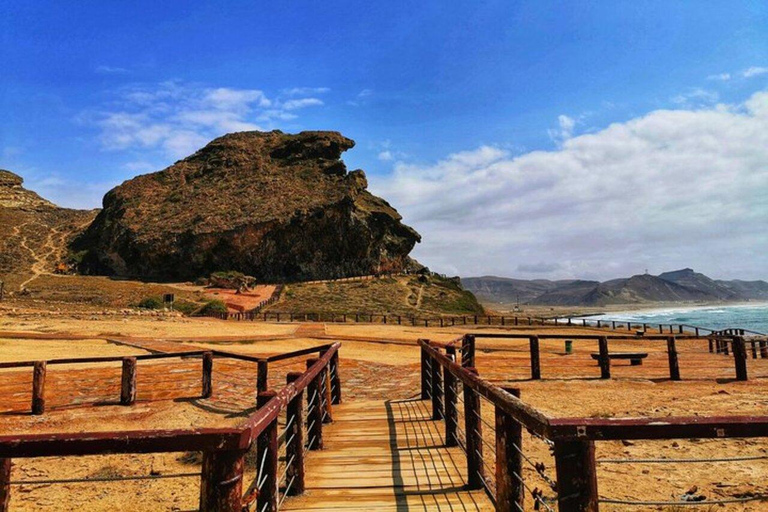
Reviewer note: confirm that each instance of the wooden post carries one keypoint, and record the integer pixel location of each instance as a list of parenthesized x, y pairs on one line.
[(740, 358), (674, 366), (262, 376), (535, 360), (315, 410), (468, 351), (451, 391), (327, 398), (680, 329), (207, 374), (754, 349), (294, 435), (510, 491), (763, 349), (605, 360), (5, 484), (38, 388), (335, 379), (576, 476), (221, 481), (438, 412), (426, 373), (711, 345), (128, 381), (473, 428), (267, 450)]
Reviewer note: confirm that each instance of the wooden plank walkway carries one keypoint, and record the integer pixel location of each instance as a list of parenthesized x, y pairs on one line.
[(386, 456)]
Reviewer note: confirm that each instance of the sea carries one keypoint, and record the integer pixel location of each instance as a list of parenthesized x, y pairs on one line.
[(753, 317)]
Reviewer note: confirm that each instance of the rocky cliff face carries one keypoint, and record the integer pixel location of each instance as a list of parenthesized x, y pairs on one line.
[(34, 233), (273, 205), (14, 195)]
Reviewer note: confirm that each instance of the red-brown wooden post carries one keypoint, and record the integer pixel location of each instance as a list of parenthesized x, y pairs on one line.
[(426, 373), (438, 412), (221, 481), (763, 349), (38, 388), (207, 375), (335, 379), (473, 428), (535, 359), (468, 351), (509, 460), (267, 450), (711, 345), (294, 444), (605, 360), (262, 376), (451, 391), (5, 484), (674, 366), (740, 358), (315, 410), (327, 399), (128, 381), (576, 476)]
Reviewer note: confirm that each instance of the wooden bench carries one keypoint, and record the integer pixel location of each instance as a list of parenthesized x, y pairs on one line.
[(635, 358)]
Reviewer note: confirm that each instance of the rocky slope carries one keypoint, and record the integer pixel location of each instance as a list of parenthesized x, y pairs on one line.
[(272, 205), (34, 233), (678, 286)]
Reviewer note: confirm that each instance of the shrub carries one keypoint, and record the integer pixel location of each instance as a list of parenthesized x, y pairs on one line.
[(150, 303), (186, 307), (213, 306)]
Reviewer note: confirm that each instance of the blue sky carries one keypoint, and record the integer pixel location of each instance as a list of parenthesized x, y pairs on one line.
[(93, 93)]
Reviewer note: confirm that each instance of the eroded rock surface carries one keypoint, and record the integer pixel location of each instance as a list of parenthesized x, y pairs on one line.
[(272, 205)]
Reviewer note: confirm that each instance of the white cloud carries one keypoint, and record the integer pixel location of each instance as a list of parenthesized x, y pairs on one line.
[(696, 98), (565, 128), (302, 103), (361, 98), (673, 188), (178, 118), (111, 70), (754, 71), (386, 156), (723, 77), (305, 91)]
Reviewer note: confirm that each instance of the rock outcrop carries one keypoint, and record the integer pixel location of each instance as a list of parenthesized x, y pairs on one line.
[(34, 233), (276, 206), (14, 195)]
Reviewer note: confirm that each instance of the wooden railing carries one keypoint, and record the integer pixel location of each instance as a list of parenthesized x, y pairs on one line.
[(224, 449), (496, 465)]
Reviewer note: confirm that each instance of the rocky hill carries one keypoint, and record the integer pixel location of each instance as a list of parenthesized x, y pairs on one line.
[(276, 206), (417, 295), (678, 286), (34, 232)]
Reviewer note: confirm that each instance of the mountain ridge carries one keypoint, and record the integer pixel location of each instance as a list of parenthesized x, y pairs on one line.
[(684, 285)]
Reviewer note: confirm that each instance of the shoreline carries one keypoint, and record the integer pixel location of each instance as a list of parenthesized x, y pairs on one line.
[(584, 311)]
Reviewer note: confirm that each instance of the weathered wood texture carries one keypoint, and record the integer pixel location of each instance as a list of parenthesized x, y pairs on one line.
[(387, 455)]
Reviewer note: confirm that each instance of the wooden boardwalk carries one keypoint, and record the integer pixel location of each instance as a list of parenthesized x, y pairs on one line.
[(386, 456)]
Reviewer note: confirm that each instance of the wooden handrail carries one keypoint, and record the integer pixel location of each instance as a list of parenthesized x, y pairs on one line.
[(531, 418)]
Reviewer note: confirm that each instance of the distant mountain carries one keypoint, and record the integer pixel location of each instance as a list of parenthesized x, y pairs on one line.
[(507, 290), (678, 286), (569, 294), (757, 290), (690, 279)]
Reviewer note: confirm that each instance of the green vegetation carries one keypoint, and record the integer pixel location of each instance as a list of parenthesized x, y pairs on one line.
[(405, 295), (212, 307), (150, 303)]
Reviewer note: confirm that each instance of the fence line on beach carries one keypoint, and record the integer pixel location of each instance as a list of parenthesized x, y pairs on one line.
[(495, 462), (285, 426)]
